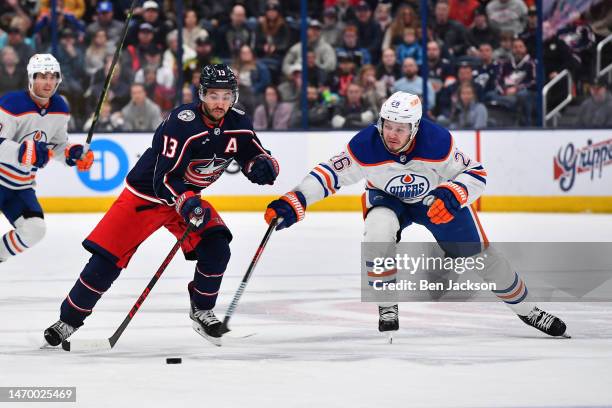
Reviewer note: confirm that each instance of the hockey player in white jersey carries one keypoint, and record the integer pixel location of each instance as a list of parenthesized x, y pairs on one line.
[(414, 174), (33, 129)]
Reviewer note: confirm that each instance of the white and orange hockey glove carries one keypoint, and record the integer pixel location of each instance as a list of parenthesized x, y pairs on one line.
[(291, 208), (32, 153), (449, 197)]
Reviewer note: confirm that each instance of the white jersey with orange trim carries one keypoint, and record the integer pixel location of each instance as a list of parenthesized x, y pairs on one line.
[(22, 119), (432, 159)]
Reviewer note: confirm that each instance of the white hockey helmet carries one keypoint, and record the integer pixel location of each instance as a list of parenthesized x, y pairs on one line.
[(402, 107), (43, 63)]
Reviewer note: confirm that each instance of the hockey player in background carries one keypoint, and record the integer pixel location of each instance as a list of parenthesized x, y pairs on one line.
[(33, 129), (190, 150), (409, 162)]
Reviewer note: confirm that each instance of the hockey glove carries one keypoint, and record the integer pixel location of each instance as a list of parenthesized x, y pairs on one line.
[(449, 198), (74, 157), (291, 208), (32, 153), (263, 169), (189, 206)]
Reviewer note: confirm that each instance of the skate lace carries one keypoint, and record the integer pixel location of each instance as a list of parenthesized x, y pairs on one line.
[(541, 319), (206, 316), (388, 313)]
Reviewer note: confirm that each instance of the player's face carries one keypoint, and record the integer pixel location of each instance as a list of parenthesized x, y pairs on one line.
[(396, 135), (217, 102), (44, 84)]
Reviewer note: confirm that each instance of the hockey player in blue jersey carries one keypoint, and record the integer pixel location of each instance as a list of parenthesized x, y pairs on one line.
[(414, 174), (33, 129), (191, 149)]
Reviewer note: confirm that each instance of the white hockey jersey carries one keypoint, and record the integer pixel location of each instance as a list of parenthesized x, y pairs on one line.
[(22, 119), (410, 176)]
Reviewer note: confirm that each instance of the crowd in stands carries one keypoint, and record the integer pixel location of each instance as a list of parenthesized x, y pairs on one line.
[(479, 59)]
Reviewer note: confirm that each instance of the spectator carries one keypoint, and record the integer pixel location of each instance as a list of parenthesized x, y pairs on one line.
[(332, 29), (463, 11), (325, 55), (374, 92), (413, 83), (252, 73), (487, 72), (507, 15), (11, 77), (316, 76), (448, 96), (382, 16), (15, 39), (119, 90), (409, 47), (135, 52), (504, 51), (191, 29), (107, 122), (42, 29), (74, 7), (369, 32), (388, 71), (529, 34), (349, 46), (159, 26), (516, 83), (405, 16), (355, 112), (440, 69), (468, 113), (289, 89), (104, 21), (344, 75), (272, 114), (158, 80), (272, 37), (169, 59), (346, 12), (318, 113), (481, 32), (72, 60), (450, 32), (12, 10), (234, 35), (96, 53), (596, 111), (141, 113), (204, 56)]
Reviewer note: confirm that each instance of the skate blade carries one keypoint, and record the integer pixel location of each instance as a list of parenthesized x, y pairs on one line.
[(214, 340), (390, 337), (565, 336)]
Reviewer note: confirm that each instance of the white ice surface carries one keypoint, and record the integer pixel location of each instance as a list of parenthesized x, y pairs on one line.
[(316, 345)]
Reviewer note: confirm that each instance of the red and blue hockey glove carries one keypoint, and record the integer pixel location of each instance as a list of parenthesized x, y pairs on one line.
[(74, 157), (263, 169), (291, 208), (449, 198), (32, 153), (189, 206)]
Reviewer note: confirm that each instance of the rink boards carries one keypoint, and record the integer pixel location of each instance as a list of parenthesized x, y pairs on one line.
[(535, 170)]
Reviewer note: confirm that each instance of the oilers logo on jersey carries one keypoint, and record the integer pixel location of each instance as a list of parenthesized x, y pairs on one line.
[(407, 186), (37, 136)]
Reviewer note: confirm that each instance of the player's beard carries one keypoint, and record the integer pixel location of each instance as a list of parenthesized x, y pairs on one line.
[(209, 116)]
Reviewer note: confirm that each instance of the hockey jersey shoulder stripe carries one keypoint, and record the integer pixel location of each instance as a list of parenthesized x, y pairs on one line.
[(376, 163), (367, 148), (239, 131), (433, 143)]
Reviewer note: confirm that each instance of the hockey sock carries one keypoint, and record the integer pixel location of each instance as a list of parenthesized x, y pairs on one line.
[(27, 233), (213, 255), (97, 276)]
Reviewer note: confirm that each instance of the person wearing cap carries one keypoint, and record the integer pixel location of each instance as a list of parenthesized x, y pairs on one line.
[(150, 14), (16, 40), (346, 73), (331, 30), (104, 21), (596, 111), (324, 53), (290, 88), (507, 15), (272, 37), (350, 38), (481, 32), (204, 49), (369, 32)]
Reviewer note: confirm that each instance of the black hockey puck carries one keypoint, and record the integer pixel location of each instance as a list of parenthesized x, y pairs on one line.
[(174, 360)]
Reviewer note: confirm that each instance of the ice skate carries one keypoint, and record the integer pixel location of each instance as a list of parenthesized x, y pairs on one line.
[(545, 322), (58, 332), (388, 320), (206, 324)]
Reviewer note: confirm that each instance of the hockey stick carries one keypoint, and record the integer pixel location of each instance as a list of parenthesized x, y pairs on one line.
[(232, 307), (107, 344), (109, 76)]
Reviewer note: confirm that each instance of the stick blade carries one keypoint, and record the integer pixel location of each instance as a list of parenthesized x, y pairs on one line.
[(86, 345)]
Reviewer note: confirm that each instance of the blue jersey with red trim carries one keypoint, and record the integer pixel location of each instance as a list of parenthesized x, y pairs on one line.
[(21, 119), (187, 154), (431, 160)]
